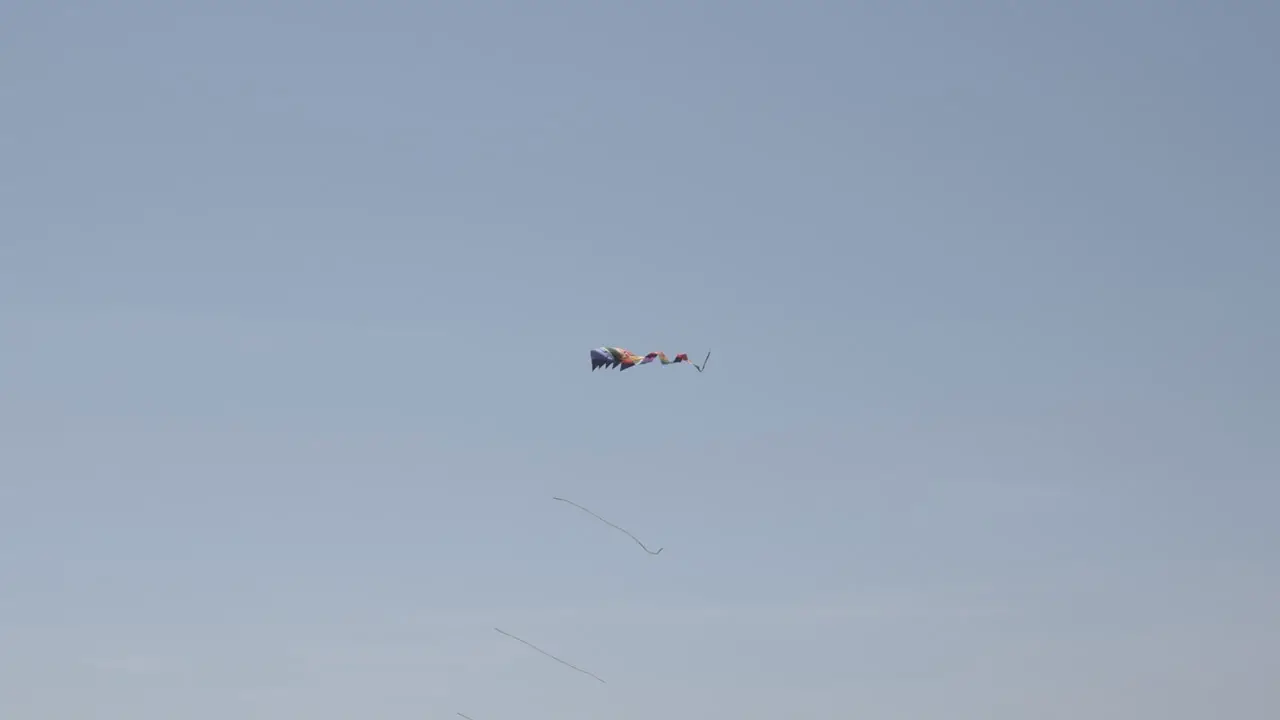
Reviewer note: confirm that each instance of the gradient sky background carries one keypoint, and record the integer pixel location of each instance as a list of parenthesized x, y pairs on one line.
[(296, 300)]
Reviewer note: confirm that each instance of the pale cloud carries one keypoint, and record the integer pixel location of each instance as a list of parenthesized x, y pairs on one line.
[(135, 665)]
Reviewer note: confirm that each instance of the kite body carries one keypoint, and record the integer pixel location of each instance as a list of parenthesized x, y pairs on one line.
[(622, 358)]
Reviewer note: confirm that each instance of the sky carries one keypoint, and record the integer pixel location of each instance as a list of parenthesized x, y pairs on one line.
[(296, 301)]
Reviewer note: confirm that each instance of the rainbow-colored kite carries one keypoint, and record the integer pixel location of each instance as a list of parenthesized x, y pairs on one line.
[(623, 358)]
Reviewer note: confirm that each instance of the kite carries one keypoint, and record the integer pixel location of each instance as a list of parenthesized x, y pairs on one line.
[(622, 358)]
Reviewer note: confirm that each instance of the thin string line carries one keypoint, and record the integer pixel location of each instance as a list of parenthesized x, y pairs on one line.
[(553, 657), (606, 522)]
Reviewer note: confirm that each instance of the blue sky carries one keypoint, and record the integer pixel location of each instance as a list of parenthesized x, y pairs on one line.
[(296, 300)]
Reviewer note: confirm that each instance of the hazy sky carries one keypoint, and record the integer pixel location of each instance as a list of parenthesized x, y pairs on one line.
[(296, 301)]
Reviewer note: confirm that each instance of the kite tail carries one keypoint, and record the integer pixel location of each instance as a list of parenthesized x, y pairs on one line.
[(684, 358)]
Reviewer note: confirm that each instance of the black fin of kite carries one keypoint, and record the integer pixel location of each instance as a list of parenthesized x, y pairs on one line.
[(703, 366)]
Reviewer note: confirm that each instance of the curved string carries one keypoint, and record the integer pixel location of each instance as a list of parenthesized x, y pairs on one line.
[(606, 522)]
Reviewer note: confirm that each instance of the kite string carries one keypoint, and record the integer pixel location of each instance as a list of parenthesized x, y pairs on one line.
[(606, 522), (553, 657)]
